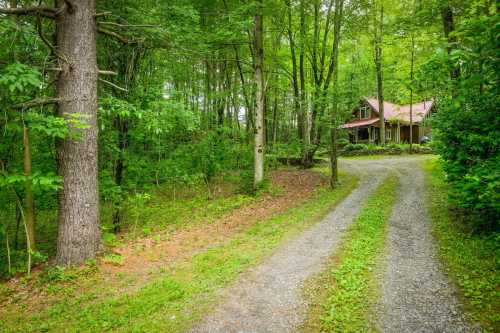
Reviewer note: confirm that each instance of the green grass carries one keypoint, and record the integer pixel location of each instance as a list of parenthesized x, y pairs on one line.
[(342, 296), (472, 259), (180, 294)]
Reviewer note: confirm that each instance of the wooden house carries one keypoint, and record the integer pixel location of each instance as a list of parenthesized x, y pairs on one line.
[(364, 125)]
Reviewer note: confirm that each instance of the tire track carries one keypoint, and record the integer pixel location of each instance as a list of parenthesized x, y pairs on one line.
[(415, 294)]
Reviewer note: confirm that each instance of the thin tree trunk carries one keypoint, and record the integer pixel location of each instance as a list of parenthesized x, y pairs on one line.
[(448, 28), (411, 90), (302, 76), (334, 116), (13, 4), (378, 66), (18, 223), (30, 204), (28, 199), (275, 117), (295, 83), (78, 234), (259, 95), (122, 125)]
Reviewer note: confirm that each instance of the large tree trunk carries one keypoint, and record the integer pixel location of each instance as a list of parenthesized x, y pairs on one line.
[(378, 67), (259, 95), (79, 235)]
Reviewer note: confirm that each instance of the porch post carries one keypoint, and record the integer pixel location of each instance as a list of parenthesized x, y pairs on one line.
[(356, 136), (369, 134), (399, 132)]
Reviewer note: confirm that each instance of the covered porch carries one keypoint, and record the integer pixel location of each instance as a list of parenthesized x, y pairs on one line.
[(364, 134), (368, 131), (363, 131)]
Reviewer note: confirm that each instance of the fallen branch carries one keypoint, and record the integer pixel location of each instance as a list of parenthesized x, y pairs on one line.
[(35, 102), (113, 85)]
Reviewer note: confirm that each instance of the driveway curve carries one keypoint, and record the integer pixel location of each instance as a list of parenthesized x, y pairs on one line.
[(416, 296)]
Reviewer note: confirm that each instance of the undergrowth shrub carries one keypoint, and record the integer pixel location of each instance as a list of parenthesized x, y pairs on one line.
[(467, 124), (355, 147)]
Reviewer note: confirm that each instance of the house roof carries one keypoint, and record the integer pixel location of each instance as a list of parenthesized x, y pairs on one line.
[(402, 112), (362, 122), (393, 112)]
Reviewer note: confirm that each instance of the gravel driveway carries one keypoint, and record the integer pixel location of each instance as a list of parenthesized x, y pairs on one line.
[(415, 295)]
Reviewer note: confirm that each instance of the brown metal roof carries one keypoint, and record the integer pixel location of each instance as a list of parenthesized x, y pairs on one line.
[(402, 112)]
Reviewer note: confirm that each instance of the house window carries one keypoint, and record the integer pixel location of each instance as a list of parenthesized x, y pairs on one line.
[(364, 112), (388, 133)]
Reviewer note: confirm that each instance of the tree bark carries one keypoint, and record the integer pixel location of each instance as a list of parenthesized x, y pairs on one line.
[(78, 234), (259, 95)]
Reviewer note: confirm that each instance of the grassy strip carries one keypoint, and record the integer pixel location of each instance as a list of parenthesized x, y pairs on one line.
[(471, 259), (183, 293), (342, 296)]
